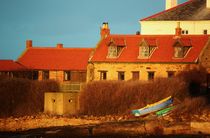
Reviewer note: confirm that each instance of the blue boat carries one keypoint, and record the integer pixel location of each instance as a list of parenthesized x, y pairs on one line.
[(153, 107)]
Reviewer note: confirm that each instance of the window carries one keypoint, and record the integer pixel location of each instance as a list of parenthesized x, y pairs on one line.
[(35, 75), (181, 47), (45, 75), (114, 51), (205, 31), (171, 74), (115, 47), (67, 75), (121, 75), (146, 48), (103, 75), (135, 75), (185, 32), (151, 75), (181, 51)]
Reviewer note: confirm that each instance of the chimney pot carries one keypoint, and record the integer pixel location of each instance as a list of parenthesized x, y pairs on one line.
[(59, 45), (105, 31), (178, 30), (29, 43)]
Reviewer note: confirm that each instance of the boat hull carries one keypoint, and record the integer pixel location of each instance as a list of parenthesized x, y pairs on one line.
[(153, 107)]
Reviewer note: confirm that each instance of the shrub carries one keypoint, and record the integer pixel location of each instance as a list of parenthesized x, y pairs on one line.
[(120, 97), (22, 96)]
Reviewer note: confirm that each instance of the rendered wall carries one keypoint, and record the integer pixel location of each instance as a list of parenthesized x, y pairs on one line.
[(168, 27)]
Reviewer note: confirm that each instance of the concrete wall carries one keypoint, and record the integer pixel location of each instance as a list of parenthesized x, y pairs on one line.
[(168, 27), (61, 103), (161, 70)]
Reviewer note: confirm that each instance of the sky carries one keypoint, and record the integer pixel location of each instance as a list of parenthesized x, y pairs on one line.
[(74, 23)]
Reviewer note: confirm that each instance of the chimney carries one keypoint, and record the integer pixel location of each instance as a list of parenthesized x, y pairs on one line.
[(29, 43), (105, 31), (178, 30), (59, 45), (171, 4), (207, 3)]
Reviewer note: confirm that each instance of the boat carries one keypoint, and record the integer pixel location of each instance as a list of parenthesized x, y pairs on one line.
[(153, 107), (165, 111)]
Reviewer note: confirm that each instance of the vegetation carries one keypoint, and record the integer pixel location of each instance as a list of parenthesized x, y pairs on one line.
[(21, 97), (120, 97)]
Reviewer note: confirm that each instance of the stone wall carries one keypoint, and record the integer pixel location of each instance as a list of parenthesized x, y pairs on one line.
[(112, 69)]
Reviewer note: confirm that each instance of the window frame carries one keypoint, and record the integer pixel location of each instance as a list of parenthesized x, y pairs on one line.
[(205, 31), (45, 75), (171, 74), (151, 75), (121, 75), (103, 75), (137, 74), (67, 75)]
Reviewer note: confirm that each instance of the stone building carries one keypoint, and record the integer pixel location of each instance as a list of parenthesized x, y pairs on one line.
[(145, 57)]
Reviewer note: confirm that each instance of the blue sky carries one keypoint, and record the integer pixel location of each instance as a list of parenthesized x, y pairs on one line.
[(75, 23)]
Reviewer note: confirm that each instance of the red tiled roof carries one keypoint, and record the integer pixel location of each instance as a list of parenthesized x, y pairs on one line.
[(151, 41), (56, 58), (116, 41), (184, 41), (10, 65), (164, 52)]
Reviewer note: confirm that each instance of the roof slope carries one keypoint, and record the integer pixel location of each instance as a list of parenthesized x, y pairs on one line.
[(10, 65), (164, 53), (191, 10), (56, 58)]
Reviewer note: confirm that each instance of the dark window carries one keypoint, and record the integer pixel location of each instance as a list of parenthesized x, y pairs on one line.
[(151, 75), (45, 75), (135, 75), (67, 75), (171, 74), (183, 31), (103, 75), (186, 31), (205, 31), (121, 75), (35, 75)]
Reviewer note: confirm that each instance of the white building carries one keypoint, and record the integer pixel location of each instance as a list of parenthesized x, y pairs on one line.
[(193, 15)]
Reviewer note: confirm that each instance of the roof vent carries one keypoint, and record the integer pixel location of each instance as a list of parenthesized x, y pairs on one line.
[(59, 45), (138, 33)]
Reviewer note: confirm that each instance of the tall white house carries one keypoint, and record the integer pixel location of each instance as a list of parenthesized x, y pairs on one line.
[(193, 16)]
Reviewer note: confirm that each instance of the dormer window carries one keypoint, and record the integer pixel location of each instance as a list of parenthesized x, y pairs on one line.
[(115, 48), (181, 47), (147, 47)]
